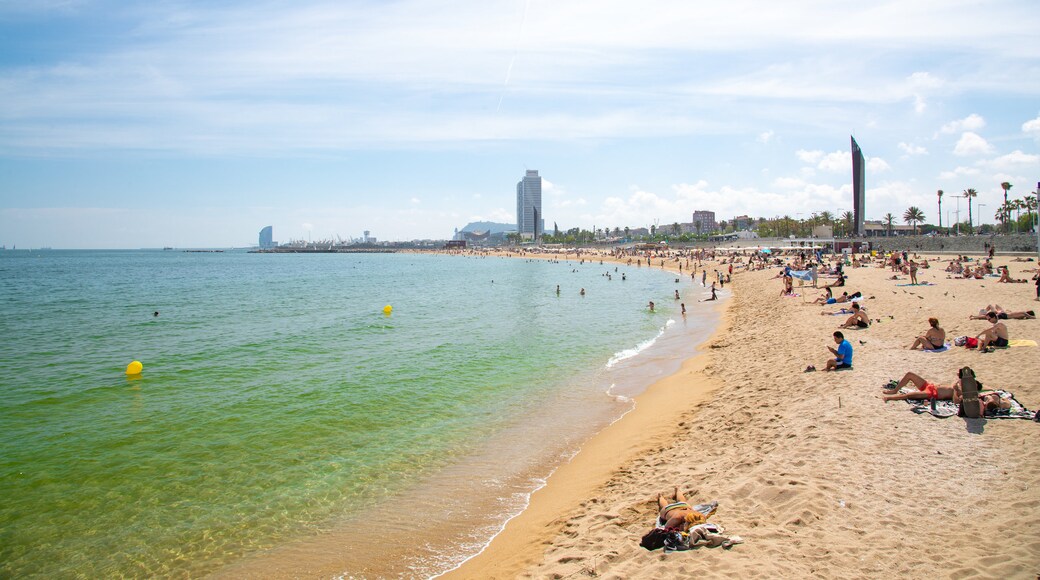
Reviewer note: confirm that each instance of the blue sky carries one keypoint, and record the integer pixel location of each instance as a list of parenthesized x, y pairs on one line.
[(126, 125)]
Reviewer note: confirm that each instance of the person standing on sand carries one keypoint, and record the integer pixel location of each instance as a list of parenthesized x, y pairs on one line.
[(704, 277)]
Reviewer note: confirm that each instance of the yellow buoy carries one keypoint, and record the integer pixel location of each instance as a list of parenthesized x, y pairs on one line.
[(388, 309), (134, 368)]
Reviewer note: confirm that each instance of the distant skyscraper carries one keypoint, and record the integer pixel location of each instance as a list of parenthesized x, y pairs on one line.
[(529, 220), (859, 188), (266, 234)]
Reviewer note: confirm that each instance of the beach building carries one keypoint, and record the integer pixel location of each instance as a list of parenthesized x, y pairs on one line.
[(859, 187), (742, 222), (704, 222), (266, 241), (529, 221)]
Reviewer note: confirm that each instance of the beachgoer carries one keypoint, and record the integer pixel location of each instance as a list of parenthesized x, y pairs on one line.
[(582, 292), (557, 289), (925, 390), (933, 339), (859, 319), (676, 294), (678, 514), (913, 272), (155, 314), (651, 306), (842, 355), (683, 305), (996, 335)]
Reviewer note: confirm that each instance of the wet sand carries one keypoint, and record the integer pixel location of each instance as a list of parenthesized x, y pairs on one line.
[(816, 473)]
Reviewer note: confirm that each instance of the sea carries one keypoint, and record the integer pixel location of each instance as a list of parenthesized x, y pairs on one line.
[(286, 421)]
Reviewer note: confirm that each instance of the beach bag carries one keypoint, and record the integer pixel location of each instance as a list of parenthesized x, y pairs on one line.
[(656, 537), (960, 341)]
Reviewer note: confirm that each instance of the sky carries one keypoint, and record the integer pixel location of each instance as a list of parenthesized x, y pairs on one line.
[(195, 124)]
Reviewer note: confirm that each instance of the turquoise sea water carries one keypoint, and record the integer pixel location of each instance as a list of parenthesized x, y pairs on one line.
[(279, 406)]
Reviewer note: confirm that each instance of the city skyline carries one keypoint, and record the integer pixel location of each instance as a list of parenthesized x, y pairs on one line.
[(189, 124)]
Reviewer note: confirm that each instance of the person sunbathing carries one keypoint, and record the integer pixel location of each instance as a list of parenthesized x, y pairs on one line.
[(1003, 314), (933, 339), (925, 390), (678, 514), (858, 319), (996, 335), (826, 298), (1005, 277)]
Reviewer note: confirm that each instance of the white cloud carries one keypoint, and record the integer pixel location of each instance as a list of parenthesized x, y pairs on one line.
[(765, 137), (1012, 161), (971, 144), (809, 156), (415, 200), (836, 162), (1032, 127), (972, 122), (877, 164), (959, 172), (788, 183), (911, 149)]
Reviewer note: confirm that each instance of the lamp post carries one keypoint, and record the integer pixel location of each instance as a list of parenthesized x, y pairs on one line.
[(981, 205)]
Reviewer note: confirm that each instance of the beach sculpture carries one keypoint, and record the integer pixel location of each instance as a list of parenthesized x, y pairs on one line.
[(134, 368)]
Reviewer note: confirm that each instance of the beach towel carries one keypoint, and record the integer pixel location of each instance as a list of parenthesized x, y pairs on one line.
[(1021, 342), (919, 284), (944, 409), (944, 348), (802, 275)]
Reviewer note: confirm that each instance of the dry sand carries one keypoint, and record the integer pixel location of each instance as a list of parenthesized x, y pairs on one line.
[(816, 473)]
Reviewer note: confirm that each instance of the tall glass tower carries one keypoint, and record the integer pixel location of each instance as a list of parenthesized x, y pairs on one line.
[(265, 238), (529, 206)]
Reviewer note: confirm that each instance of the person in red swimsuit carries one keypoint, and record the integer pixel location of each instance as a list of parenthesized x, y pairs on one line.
[(925, 390)]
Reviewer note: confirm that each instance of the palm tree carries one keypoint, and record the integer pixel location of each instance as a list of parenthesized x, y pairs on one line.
[(627, 232), (968, 194), (848, 218), (1005, 186), (675, 228), (912, 216), (940, 208), (889, 218)]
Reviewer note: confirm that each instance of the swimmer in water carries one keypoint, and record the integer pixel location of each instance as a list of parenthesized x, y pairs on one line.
[(651, 306)]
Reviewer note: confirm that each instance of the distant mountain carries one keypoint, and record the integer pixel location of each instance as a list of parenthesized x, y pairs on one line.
[(494, 228)]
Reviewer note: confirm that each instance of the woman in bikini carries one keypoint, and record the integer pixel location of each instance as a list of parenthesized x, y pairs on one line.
[(680, 514), (933, 339)]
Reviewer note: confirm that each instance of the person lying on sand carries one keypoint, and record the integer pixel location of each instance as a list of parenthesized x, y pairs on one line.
[(996, 335), (925, 390), (678, 514), (1005, 277), (1003, 314), (858, 319), (933, 339)]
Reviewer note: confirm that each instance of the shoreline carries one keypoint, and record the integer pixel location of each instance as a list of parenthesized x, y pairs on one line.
[(657, 411), (815, 471)]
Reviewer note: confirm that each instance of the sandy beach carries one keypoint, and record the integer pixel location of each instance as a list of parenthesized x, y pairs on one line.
[(816, 473)]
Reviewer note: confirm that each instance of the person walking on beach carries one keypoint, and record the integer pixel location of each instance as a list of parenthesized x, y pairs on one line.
[(704, 277), (683, 305)]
